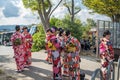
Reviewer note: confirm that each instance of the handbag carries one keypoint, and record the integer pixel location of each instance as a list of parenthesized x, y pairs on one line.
[(82, 75), (17, 42)]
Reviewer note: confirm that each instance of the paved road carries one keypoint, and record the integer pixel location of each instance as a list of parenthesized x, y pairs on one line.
[(40, 69), (6, 50)]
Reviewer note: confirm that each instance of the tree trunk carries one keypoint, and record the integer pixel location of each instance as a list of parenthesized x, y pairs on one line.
[(45, 22), (116, 18), (46, 13), (72, 15)]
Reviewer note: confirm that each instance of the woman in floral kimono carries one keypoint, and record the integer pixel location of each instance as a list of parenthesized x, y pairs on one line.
[(28, 45), (49, 35), (72, 60), (60, 37), (106, 52), (17, 40), (54, 46)]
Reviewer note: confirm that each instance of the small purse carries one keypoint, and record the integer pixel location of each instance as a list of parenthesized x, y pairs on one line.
[(82, 75), (17, 42)]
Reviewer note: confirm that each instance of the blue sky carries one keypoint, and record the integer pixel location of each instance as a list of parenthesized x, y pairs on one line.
[(12, 12)]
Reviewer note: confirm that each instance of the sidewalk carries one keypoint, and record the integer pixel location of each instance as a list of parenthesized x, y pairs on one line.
[(41, 70)]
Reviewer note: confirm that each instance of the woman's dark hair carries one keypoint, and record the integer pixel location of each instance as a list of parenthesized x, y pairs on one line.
[(107, 32), (59, 29), (24, 28), (54, 27), (17, 27), (67, 33), (61, 32), (49, 30)]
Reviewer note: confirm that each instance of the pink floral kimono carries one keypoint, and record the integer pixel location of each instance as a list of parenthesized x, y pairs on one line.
[(71, 66), (55, 54), (28, 45), (106, 55), (19, 50)]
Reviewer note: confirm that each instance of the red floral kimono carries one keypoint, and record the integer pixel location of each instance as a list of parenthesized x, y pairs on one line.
[(62, 44), (71, 59), (28, 45), (49, 56), (106, 55), (19, 50), (54, 46)]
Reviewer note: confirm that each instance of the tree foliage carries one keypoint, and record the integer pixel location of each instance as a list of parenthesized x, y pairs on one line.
[(39, 39), (87, 26), (77, 29), (65, 23), (110, 8), (91, 23), (44, 8), (72, 8), (56, 22)]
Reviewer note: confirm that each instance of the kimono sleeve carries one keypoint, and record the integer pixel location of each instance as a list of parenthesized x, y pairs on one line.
[(103, 50), (22, 38), (30, 37)]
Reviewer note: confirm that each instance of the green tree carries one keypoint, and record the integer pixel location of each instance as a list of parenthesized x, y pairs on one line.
[(65, 23), (39, 39), (110, 8), (91, 23), (45, 8), (85, 28), (72, 8), (55, 22), (75, 28)]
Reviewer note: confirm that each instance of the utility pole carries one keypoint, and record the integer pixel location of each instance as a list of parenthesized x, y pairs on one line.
[(97, 40)]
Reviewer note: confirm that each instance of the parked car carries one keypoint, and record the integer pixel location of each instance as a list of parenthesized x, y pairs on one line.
[(32, 30), (5, 38)]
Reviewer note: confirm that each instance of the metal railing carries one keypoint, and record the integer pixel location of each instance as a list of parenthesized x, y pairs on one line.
[(118, 75), (110, 67), (97, 71)]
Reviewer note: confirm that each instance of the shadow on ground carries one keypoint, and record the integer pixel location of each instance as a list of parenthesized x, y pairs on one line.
[(91, 58), (37, 73), (39, 60), (40, 74), (88, 72), (5, 58)]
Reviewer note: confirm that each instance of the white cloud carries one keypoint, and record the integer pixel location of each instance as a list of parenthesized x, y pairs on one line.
[(26, 16), (1, 13), (60, 12), (14, 21), (84, 14)]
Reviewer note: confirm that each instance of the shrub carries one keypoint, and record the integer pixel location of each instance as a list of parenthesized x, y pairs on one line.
[(38, 39)]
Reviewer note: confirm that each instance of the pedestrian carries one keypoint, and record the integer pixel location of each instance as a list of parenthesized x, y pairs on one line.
[(49, 35), (106, 52), (17, 40), (54, 46), (72, 49), (28, 46), (60, 37)]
